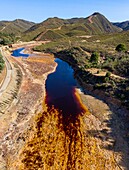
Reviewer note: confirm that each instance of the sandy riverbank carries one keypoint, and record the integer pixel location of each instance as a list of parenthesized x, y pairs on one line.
[(25, 101)]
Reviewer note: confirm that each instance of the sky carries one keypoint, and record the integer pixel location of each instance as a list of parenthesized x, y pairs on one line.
[(39, 10)]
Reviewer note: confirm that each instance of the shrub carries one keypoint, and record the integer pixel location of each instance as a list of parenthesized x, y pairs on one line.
[(106, 79), (94, 57), (108, 74), (1, 63), (121, 47)]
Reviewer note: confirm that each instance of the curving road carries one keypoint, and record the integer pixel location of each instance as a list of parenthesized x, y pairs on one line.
[(8, 73)]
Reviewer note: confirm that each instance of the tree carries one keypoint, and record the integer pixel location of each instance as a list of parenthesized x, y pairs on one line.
[(94, 57), (121, 48)]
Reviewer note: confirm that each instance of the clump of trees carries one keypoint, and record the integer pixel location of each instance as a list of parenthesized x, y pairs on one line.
[(6, 39)]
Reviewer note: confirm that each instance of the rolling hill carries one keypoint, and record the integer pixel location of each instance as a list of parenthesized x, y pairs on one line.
[(16, 27), (59, 28)]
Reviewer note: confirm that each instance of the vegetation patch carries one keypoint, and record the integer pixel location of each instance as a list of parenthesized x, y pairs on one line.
[(2, 63)]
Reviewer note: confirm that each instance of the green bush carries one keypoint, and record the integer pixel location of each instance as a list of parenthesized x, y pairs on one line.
[(94, 57), (121, 47), (106, 79), (1, 63), (108, 74)]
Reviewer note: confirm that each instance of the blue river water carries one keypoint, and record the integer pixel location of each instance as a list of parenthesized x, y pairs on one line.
[(60, 89), (60, 95), (19, 53)]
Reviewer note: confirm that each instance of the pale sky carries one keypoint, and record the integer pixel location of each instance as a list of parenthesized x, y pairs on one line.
[(39, 10)]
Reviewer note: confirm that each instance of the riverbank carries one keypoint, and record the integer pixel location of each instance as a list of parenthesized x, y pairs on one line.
[(108, 124), (17, 117), (97, 84)]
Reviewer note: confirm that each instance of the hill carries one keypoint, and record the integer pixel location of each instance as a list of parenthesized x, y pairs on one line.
[(16, 27), (92, 25), (124, 25)]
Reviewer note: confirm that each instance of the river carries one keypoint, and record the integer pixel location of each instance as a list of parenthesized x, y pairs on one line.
[(59, 128), (60, 89), (65, 135)]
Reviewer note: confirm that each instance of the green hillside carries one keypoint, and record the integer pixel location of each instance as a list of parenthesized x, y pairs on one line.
[(7, 38), (50, 35), (92, 25), (16, 27)]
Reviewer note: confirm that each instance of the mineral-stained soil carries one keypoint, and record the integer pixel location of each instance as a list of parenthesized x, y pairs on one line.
[(88, 143)]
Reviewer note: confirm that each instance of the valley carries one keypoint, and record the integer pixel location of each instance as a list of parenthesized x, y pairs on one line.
[(65, 103)]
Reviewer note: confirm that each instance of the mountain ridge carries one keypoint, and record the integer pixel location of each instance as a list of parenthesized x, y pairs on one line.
[(124, 25), (56, 28), (91, 25)]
